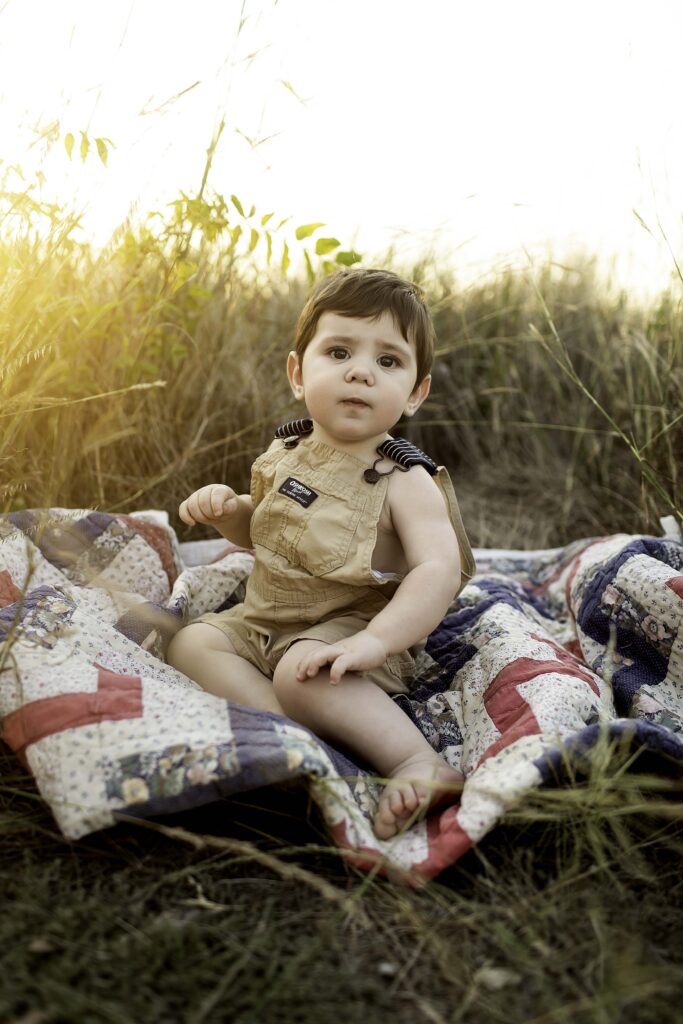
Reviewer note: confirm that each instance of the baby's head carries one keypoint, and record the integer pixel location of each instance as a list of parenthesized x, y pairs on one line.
[(368, 294)]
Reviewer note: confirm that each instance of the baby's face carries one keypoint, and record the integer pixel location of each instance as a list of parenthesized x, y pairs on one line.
[(357, 377)]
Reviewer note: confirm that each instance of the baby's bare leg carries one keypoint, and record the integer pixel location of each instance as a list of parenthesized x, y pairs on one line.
[(357, 713), (205, 654)]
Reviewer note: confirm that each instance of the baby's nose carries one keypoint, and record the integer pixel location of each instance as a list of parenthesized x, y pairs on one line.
[(360, 369)]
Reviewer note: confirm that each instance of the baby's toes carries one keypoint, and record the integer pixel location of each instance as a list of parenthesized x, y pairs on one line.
[(413, 798), (384, 824), (396, 805), (395, 798), (389, 811)]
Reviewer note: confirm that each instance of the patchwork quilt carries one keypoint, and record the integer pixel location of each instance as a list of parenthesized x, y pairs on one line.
[(541, 657)]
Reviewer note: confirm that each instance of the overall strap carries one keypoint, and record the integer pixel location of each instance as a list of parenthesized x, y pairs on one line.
[(293, 430), (407, 454)]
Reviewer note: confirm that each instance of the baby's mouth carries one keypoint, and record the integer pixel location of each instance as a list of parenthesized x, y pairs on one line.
[(355, 401)]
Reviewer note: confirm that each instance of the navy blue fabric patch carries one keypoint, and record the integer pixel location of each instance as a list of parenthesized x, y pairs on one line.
[(43, 599), (298, 492), (23, 521), (515, 595), (573, 752), (139, 622), (62, 541), (649, 666)]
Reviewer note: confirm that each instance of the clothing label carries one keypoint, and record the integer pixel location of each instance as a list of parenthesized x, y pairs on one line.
[(294, 489)]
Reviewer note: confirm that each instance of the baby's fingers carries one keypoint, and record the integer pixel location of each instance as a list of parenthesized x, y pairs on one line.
[(312, 663), (223, 503), (216, 501), (185, 514), (344, 663)]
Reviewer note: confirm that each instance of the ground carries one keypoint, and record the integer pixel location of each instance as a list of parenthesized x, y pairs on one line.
[(546, 921)]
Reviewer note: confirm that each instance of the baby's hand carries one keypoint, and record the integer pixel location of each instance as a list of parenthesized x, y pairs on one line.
[(212, 504), (358, 653)]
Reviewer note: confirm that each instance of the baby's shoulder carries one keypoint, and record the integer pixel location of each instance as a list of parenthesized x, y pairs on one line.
[(417, 511), (411, 486)]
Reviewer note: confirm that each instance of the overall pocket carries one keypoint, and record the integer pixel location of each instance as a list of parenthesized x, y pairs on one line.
[(312, 526)]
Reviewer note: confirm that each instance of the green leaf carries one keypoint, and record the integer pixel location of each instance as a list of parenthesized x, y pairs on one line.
[(254, 239), (348, 258), (85, 146), (269, 247), (235, 234), (306, 230), (265, 218), (285, 261), (252, 211), (69, 144), (238, 205), (282, 223), (102, 150), (310, 272), (325, 245), (329, 267)]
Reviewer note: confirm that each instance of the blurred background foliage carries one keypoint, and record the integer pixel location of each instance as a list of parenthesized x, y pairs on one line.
[(132, 375)]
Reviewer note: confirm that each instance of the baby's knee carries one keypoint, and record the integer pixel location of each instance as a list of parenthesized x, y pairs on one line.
[(177, 650), (190, 641), (287, 687)]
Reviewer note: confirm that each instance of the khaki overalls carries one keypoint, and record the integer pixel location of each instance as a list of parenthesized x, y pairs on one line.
[(314, 529)]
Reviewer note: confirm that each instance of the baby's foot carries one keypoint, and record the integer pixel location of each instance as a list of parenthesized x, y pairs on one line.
[(419, 782)]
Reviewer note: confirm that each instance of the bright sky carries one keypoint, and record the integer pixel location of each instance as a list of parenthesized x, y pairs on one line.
[(483, 127)]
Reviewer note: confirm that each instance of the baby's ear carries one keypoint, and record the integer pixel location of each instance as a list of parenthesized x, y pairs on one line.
[(418, 396), (294, 376)]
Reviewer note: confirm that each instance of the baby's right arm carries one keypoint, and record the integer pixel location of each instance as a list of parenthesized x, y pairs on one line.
[(220, 507)]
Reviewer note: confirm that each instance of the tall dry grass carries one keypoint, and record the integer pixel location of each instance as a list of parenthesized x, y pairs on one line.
[(558, 400), (130, 377), (124, 372)]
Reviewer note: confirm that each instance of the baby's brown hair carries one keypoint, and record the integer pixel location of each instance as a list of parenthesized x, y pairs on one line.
[(368, 293)]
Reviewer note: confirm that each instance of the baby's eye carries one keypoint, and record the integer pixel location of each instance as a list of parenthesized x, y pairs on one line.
[(388, 362), (338, 353)]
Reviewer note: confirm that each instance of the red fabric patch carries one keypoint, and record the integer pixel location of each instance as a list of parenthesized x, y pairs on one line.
[(569, 581), (574, 647), (575, 562), (117, 697), (503, 701), (525, 724), (676, 584), (561, 566), (506, 707), (524, 669), (8, 592), (158, 540), (447, 842), (569, 660)]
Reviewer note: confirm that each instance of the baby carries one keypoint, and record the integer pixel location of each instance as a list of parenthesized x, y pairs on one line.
[(359, 545)]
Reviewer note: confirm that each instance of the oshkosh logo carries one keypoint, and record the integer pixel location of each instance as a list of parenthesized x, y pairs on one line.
[(294, 489)]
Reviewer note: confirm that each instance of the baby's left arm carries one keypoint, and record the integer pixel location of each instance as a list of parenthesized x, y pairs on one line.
[(421, 521)]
